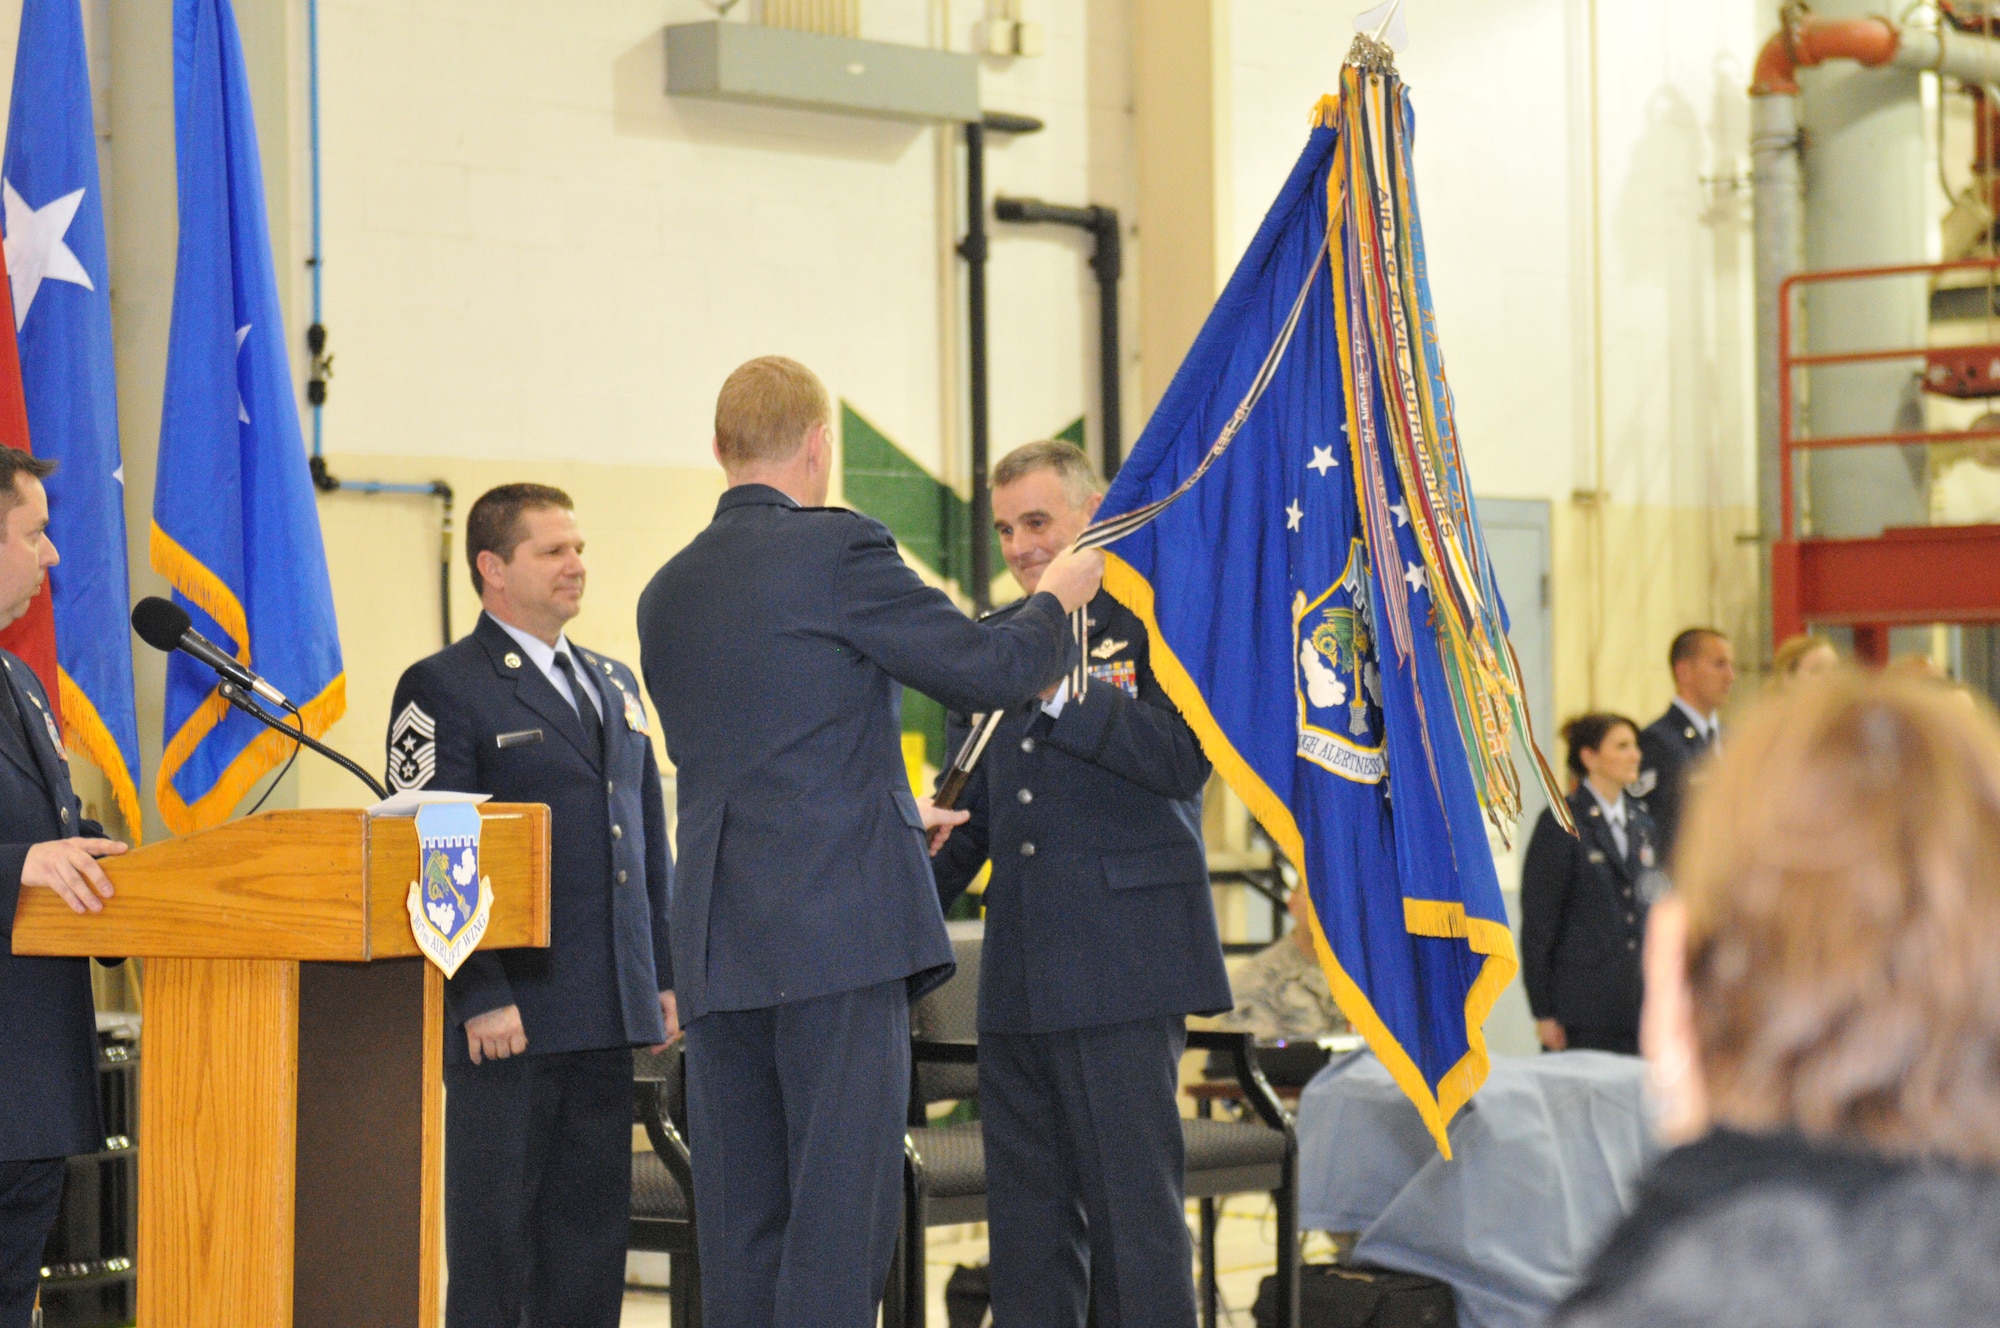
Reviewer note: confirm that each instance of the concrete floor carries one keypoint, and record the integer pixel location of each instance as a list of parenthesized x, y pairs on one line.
[(1245, 1254)]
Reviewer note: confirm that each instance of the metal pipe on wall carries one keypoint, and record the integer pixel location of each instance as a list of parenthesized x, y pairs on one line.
[(974, 249), (321, 363), (1107, 262), (1861, 157), (1778, 197)]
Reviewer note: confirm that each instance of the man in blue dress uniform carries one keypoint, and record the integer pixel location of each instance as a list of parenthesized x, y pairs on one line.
[(1673, 746), (48, 1028), (805, 914), (1100, 941), (538, 1104)]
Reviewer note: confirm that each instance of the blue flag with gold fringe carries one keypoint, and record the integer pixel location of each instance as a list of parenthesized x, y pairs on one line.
[(235, 528), (62, 316), (1320, 603)]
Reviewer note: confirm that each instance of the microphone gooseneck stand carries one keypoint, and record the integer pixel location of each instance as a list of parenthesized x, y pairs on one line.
[(236, 696)]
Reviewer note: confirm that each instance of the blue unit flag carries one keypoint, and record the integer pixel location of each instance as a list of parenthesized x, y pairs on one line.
[(62, 317), (235, 528), (1320, 604)]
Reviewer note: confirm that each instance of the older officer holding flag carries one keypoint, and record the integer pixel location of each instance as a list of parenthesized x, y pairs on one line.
[(538, 1116), (1100, 940), (805, 914)]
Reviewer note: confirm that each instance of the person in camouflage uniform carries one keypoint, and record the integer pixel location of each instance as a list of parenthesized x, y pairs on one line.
[(1281, 991)]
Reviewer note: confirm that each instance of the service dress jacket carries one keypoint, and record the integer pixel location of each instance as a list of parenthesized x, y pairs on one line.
[(1669, 749), (775, 647), (48, 1019), (479, 717), (1099, 909), (1583, 915)]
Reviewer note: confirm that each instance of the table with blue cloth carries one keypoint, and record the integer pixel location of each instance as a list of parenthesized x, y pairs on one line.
[(1546, 1160)]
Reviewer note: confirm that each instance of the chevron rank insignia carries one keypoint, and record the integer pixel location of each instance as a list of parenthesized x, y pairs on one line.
[(1647, 781), (412, 749)]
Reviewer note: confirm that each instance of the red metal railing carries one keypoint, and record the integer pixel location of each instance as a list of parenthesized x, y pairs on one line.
[(1789, 364)]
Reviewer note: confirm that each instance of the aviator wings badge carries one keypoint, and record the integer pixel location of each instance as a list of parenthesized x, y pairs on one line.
[(450, 901)]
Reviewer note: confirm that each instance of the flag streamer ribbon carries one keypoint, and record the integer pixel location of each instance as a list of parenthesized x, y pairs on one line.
[(1297, 532), (1483, 673), (1112, 529)]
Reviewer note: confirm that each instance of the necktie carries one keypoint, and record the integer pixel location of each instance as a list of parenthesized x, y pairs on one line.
[(593, 727)]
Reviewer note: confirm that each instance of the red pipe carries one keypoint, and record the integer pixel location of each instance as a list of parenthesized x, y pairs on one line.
[(1809, 41)]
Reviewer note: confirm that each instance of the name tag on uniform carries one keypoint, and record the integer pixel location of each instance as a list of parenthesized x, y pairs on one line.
[(635, 714), (518, 738)]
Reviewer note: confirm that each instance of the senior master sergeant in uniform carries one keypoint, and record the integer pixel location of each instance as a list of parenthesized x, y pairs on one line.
[(1100, 941), (805, 915), (538, 1108)]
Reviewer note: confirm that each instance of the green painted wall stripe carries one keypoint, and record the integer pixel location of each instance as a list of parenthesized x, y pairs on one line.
[(929, 520)]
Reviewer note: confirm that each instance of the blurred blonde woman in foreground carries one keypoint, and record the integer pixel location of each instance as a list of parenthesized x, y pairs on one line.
[(1822, 1020)]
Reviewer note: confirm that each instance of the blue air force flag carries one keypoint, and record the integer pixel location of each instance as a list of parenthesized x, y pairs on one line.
[(62, 316), (1304, 609), (235, 528), (451, 900)]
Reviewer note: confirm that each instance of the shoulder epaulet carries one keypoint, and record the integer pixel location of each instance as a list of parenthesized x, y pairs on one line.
[(1002, 610), (604, 663), (844, 511)]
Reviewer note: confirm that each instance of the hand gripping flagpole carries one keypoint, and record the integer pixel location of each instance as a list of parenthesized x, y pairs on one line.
[(952, 788)]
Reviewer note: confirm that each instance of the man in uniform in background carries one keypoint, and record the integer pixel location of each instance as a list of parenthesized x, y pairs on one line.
[(1281, 991), (48, 1025), (1100, 941), (538, 1108), (805, 915), (1673, 745)]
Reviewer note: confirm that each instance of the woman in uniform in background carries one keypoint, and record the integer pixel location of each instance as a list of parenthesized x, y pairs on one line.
[(1584, 898)]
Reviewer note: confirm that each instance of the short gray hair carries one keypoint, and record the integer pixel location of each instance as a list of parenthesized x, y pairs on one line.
[(1066, 459)]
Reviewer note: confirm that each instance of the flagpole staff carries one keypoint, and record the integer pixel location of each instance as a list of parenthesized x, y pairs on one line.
[(960, 774)]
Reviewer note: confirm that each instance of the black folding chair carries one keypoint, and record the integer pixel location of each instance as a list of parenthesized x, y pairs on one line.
[(944, 1173), (944, 1166), (1244, 1156), (663, 1179)]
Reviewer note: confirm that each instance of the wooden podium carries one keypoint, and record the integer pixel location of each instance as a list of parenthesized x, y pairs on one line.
[(291, 1102)]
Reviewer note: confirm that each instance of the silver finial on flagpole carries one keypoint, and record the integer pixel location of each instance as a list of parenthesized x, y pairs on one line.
[(1379, 33)]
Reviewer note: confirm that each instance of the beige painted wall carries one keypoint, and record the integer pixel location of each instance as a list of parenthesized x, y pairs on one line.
[(383, 552)]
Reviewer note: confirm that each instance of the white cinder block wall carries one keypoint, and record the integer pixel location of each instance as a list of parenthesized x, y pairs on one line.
[(534, 253), (540, 266)]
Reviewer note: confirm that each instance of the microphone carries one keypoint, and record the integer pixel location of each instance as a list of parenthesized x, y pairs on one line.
[(165, 625)]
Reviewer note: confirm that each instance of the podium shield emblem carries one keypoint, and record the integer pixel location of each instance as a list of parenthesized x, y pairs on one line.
[(450, 901)]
